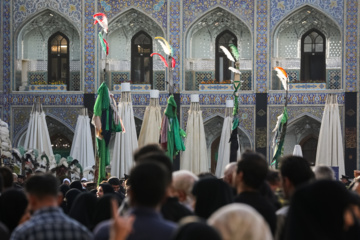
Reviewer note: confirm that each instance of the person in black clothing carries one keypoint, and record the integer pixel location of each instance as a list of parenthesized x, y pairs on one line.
[(211, 194), (322, 210), (295, 171), (171, 208), (83, 208), (251, 174)]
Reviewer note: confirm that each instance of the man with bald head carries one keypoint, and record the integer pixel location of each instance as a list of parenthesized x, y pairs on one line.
[(230, 174)]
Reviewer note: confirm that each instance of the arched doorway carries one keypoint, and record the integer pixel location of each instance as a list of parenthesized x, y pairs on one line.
[(222, 63), (58, 59), (309, 147), (141, 62), (313, 48), (214, 153)]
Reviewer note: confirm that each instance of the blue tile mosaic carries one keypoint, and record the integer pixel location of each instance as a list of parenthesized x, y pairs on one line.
[(282, 8)]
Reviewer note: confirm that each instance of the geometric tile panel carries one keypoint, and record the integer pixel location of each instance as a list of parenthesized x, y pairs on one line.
[(333, 79), (293, 74), (119, 77), (218, 98), (307, 86), (159, 80), (74, 81), (302, 98), (35, 78), (246, 78), (203, 77)]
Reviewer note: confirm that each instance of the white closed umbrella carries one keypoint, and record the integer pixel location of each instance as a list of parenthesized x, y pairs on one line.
[(150, 128), (125, 143), (330, 150), (194, 158), (82, 145), (37, 134), (224, 145), (297, 151)]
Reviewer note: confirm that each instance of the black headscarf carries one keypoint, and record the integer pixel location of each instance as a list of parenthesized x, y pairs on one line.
[(211, 194), (82, 209), (70, 198), (195, 231), (317, 212), (63, 189), (107, 188), (13, 204), (77, 185), (102, 210)]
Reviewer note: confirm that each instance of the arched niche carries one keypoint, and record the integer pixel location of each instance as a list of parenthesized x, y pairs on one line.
[(61, 136), (121, 31), (303, 131), (213, 128), (31, 50), (287, 46), (200, 48)]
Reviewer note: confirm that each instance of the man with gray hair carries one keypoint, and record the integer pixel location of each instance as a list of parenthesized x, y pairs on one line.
[(230, 174), (183, 182), (323, 172)]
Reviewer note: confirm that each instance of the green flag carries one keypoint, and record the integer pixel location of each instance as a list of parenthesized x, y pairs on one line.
[(174, 132), (104, 126), (279, 138)]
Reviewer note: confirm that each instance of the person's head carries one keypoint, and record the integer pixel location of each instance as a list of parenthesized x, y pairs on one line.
[(7, 177), (192, 228), (104, 188), (322, 209), (15, 177), (241, 222), (148, 181), (206, 175), (115, 183), (294, 171), (42, 191), (230, 173), (324, 173), (148, 149), (13, 208), (77, 185), (21, 179), (70, 197), (210, 194), (273, 179), (66, 181), (161, 158), (251, 171), (183, 182)]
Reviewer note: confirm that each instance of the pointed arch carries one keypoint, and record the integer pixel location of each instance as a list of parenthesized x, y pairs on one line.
[(200, 46), (214, 9), (298, 9), (31, 41), (287, 51)]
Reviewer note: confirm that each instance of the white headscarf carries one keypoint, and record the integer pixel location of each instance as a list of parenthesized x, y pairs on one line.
[(240, 222)]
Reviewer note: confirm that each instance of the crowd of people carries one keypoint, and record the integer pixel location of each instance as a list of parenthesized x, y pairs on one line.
[(251, 202)]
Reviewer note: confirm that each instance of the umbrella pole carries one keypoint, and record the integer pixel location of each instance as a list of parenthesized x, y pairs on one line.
[(171, 80)]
